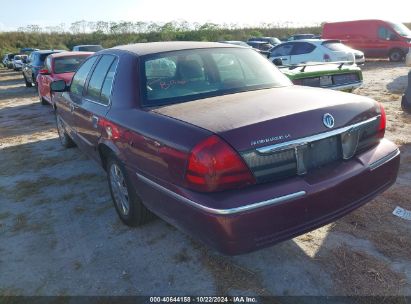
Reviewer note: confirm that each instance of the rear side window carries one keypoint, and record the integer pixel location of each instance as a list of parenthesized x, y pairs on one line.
[(108, 83), (102, 72), (282, 50), (80, 77), (47, 64), (302, 48), (336, 46)]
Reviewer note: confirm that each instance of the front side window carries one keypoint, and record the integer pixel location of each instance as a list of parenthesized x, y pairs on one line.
[(67, 64), (98, 76), (80, 77), (191, 74), (385, 34)]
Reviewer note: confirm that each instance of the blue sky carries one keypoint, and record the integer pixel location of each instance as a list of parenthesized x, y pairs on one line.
[(54, 12)]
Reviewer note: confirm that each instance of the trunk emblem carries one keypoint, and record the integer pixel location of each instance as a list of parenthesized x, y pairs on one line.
[(328, 120)]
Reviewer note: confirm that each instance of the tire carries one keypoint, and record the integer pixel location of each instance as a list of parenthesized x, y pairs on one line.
[(43, 102), (128, 204), (28, 84), (65, 139), (406, 105), (396, 55)]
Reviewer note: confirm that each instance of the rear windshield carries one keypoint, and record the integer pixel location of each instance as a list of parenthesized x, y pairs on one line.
[(43, 56), (180, 76), (90, 48), (67, 64), (336, 46)]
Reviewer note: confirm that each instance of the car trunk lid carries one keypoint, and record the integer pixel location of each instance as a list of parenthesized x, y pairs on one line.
[(259, 118)]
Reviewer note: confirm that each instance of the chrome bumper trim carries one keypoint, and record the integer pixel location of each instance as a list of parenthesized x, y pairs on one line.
[(230, 211), (384, 160), (345, 86), (303, 141)]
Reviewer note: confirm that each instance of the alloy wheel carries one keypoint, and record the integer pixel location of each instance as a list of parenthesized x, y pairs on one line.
[(119, 188)]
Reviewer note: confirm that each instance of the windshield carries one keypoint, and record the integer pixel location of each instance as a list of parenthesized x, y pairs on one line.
[(67, 64), (17, 57), (401, 29), (191, 74), (275, 41)]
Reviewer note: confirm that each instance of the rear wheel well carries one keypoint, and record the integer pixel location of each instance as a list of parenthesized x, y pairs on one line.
[(104, 152)]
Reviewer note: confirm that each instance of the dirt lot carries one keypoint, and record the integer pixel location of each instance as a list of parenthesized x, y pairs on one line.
[(59, 234)]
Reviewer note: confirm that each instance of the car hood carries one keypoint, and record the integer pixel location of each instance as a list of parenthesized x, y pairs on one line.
[(258, 118)]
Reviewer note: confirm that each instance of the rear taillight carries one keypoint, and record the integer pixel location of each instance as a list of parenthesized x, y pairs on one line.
[(298, 82), (112, 130), (327, 57), (214, 166), (383, 122)]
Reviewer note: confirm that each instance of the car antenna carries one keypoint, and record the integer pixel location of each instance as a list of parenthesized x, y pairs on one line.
[(341, 65)]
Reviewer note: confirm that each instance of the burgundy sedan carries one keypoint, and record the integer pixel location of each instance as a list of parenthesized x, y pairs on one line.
[(213, 139), (58, 66)]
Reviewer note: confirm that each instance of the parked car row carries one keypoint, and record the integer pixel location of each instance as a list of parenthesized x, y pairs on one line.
[(158, 117), (216, 140)]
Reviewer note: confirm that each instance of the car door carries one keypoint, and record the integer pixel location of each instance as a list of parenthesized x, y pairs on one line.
[(384, 41), (70, 100), (303, 52), (282, 52), (95, 103)]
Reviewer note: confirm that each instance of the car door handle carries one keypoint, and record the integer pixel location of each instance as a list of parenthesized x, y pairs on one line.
[(94, 120), (284, 59)]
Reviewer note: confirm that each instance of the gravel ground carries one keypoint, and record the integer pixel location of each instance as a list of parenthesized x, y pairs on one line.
[(59, 234)]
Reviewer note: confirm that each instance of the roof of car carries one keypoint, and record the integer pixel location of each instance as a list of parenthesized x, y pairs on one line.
[(313, 40), (81, 45), (160, 47), (69, 53), (49, 51)]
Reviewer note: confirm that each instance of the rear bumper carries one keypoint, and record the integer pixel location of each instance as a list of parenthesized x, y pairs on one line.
[(346, 87), (241, 221)]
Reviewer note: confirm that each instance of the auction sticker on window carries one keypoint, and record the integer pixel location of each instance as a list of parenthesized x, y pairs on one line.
[(402, 213)]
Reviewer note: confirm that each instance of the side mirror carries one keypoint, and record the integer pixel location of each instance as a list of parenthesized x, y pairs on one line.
[(44, 72), (278, 61), (58, 86)]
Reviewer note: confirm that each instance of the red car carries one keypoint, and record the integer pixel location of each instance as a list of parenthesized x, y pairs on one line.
[(58, 66), (376, 38)]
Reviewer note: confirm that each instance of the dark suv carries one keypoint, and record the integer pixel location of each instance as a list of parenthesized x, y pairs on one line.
[(34, 64)]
